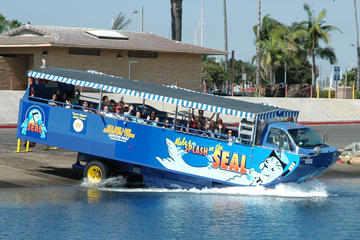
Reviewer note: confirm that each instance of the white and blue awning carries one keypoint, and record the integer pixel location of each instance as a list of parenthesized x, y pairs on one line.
[(176, 96)]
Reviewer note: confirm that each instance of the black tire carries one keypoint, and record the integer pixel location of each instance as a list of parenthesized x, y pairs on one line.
[(95, 171)]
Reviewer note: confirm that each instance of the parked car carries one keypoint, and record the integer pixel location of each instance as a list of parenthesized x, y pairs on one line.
[(147, 109)]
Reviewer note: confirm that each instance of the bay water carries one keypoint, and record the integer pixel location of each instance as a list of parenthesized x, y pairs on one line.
[(328, 208)]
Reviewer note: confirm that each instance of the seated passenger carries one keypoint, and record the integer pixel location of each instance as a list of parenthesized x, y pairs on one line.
[(92, 106), (166, 123), (63, 97), (112, 105), (68, 103), (85, 106), (210, 127), (220, 128), (104, 102), (118, 113), (53, 100), (138, 116), (199, 128), (156, 120), (152, 115), (106, 112), (230, 136)]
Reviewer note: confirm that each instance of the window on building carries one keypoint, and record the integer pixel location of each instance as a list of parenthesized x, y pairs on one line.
[(142, 54), (84, 51)]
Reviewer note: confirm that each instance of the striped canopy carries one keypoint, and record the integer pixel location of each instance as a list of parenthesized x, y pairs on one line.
[(176, 96)]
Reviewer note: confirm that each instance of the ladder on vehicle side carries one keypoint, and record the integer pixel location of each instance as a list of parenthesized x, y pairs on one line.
[(246, 132)]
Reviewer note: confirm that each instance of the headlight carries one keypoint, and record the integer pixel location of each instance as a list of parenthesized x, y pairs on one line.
[(317, 150)]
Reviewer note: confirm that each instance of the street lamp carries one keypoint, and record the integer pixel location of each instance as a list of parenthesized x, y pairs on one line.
[(141, 17), (131, 62)]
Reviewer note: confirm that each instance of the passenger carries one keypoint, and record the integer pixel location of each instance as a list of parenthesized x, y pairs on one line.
[(230, 136), (201, 116), (85, 106), (68, 103), (192, 121), (177, 124), (138, 116), (76, 96), (210, 127), (128, 112), (199, 127), (92, 106), (106, 112), (58, 94), (152, 115), (118, 113), (220, 128), (156, 121), (63, 98), (104, 102), (112, 105), (53, 100), (166, 123)]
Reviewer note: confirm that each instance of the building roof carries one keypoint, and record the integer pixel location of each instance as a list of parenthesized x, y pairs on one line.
[(176, 96), (42, 35)]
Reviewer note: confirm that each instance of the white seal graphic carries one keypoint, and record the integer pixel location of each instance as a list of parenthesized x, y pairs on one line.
[(78, 125)]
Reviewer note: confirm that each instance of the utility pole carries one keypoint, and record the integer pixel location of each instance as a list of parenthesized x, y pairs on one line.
[(257, 47), (357, 48), (232, 71), (226, 45)]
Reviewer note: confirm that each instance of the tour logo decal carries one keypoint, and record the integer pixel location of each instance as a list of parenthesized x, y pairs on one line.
[(120, 134), (78, 122), (34, 124)]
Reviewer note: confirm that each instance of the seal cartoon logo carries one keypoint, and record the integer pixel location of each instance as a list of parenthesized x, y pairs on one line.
[(34, 123)]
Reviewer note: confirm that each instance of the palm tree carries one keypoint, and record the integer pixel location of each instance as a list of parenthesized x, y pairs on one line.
[(176, 19), (317, 31), (272, 46), (120, 22), (257, 48)]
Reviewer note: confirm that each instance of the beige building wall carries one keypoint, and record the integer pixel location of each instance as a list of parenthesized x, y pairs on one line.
[(168, 68)]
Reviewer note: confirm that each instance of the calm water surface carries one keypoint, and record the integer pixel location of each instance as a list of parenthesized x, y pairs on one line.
[(326, 209)]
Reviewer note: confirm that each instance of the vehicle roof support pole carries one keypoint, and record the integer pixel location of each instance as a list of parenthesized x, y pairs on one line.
[(101, 95), (254, 132), (176, 113)]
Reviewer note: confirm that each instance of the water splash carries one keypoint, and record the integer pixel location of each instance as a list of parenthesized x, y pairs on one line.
[(115, 182), (310, 189)]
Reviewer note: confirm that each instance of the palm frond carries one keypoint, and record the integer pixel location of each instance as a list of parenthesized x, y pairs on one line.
[(120, 22)]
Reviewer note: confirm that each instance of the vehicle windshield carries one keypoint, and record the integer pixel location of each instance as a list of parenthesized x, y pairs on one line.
[(305, 137)]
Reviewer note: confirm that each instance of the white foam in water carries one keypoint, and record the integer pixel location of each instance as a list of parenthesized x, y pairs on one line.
[(313, 188), (110, 182)]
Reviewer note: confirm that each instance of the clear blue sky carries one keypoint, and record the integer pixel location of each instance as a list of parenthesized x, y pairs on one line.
[(242, 16)]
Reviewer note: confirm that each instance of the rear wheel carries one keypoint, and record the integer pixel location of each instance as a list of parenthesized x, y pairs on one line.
[(95, 171)]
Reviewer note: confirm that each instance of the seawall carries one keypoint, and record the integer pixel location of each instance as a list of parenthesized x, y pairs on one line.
[(311, 110)]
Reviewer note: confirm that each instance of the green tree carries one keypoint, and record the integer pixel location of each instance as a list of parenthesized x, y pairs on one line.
[(213, 73), (273, 47), (6, 25), (351, 77), (316, 32), (120, 22)]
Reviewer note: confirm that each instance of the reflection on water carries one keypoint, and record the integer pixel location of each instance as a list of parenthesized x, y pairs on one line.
[(311, 211)]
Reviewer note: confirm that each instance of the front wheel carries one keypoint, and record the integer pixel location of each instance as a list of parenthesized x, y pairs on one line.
[(95, 171)]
